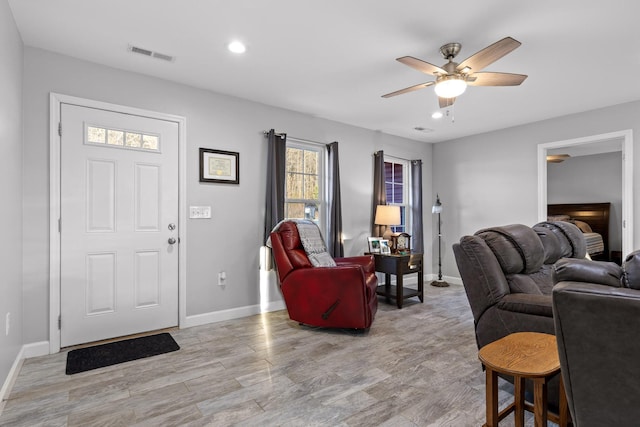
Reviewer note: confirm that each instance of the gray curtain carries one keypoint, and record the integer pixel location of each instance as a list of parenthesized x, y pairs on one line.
[(417, 238), (379, 191), (334, 235), (276, 158)]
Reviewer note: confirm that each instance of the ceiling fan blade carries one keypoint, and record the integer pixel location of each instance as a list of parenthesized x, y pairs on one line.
[(421, 65), (489, 55), (446, 102), (408, 89), (496, 79)]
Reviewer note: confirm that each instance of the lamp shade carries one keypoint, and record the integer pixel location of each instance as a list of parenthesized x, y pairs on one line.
[(437, 207), (387, 215), (450, 87)]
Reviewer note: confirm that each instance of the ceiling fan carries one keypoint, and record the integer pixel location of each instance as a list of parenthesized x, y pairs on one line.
[(452, 78)]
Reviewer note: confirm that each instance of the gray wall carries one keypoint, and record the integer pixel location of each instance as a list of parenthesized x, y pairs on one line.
[(10, 188), (230, 240), (596, 178), (491, 178)]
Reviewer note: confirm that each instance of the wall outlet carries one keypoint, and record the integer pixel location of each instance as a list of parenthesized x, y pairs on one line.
[(222, 278), (7, 323)]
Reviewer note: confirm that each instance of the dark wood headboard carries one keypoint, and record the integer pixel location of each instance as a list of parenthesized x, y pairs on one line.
[(594, 214)]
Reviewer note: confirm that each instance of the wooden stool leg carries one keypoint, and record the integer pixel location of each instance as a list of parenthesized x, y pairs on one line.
[(564, 406), (540, 402), (519, 401), (492, 398)]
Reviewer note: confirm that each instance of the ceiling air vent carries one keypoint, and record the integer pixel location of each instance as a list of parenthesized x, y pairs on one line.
[(423, 129), (147, 52)]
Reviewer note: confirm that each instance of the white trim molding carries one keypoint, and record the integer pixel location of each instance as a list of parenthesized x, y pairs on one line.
[(55, 101), (26, 351), (11, 378), (230, 314)]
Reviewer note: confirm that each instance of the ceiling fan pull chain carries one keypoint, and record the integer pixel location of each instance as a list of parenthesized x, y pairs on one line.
[(450, 113)]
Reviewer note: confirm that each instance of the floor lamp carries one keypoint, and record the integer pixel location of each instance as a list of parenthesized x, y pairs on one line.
[(437, 209)]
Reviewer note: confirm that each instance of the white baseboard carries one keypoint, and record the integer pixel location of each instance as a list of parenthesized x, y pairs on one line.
[(36, 349), (230, 314), (11, 377), (26, 351)]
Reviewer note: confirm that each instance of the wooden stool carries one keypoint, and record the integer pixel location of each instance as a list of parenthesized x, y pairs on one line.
[(523, 355)]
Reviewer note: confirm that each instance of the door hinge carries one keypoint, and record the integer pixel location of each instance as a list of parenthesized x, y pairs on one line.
[(59, 321), (60, 128)]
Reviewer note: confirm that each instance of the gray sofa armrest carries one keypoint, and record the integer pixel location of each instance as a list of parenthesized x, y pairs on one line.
[(596, 290), (597, 329), (584, 270), (538, 305)]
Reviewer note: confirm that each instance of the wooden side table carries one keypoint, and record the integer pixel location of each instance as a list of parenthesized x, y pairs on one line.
[(523, 355), (399, 265)]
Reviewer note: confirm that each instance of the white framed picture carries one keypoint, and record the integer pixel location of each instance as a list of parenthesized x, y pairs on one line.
[(374, 245), (384, 247)]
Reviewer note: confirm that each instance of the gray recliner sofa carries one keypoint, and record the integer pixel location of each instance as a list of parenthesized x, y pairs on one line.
[(596, 308), (508, 276)]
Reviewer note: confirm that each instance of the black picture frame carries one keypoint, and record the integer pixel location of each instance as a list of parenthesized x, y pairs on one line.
[(219, 166)]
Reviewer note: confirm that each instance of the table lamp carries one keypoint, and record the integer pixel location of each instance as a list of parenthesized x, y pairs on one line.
[(387, 215)]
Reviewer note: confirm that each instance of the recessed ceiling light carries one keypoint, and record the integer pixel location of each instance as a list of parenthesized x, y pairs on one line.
[(237, 47), (437, 115)]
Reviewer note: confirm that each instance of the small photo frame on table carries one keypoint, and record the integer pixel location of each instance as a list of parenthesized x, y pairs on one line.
[(219, 166), (374, 245), (385, 249)]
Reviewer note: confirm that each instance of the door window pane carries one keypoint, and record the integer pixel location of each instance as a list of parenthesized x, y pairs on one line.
[(118, 138), (134, 140), (115, 137), (150, 142), (96, 135)]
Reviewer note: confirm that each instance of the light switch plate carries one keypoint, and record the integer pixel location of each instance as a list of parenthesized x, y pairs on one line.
[(199, 212)]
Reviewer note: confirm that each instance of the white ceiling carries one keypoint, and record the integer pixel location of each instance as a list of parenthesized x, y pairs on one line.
[(335, 58)]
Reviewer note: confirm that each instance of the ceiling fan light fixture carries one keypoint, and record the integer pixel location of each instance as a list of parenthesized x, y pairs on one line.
[(450, 86), (237, 47), (557, 158)]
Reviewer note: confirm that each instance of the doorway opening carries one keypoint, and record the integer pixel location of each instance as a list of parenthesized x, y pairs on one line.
[(604, 143)]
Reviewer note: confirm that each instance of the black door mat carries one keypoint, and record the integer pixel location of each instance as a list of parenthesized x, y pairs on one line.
[(99, 356)]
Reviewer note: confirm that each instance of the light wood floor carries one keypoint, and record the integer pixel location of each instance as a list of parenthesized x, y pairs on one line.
[(416, 366)]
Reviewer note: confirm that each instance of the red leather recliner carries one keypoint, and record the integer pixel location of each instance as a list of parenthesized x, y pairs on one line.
[(337, 297)]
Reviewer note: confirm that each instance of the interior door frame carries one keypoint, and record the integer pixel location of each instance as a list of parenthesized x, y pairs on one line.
[(55, 102), (627, 178)]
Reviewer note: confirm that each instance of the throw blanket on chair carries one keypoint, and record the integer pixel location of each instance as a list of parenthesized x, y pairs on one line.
[(312, 242)]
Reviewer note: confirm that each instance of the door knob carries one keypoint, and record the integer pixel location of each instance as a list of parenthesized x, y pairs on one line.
[(171, 240)]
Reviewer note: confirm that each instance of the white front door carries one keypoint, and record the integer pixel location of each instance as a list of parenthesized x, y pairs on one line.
[(119, 224)]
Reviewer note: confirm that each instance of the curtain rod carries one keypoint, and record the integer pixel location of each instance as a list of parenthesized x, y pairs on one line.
[(308, 141), (396, 157)]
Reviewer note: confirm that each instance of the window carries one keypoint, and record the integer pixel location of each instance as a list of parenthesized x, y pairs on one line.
[(119, 138), (304, 197), (396, 179)]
